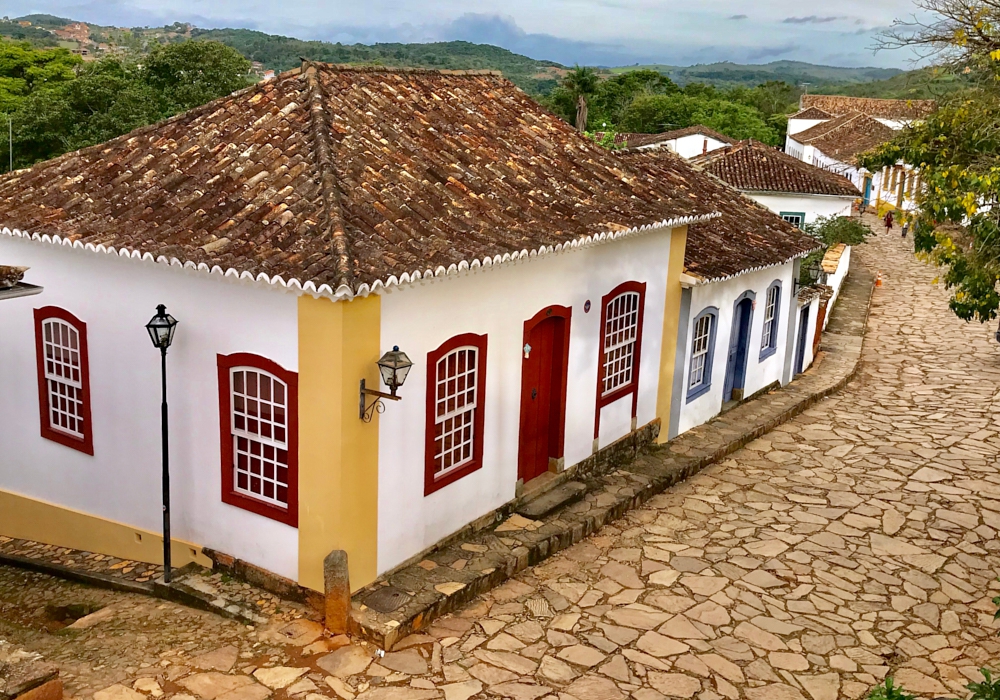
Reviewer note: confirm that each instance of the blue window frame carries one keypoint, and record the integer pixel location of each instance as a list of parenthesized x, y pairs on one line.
[(703, 329), (772, 314), (796, 218)]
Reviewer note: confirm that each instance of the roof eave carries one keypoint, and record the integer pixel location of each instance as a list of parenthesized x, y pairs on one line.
[(346, 293)]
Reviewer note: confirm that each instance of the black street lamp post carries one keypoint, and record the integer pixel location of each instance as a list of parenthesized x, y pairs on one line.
[(161, 331)]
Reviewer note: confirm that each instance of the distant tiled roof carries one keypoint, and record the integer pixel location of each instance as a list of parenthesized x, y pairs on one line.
[(745, 237), (847, 136), (811, 113), (901, 110), (340, 180), (757, 167), (633, 140), (831, 260)]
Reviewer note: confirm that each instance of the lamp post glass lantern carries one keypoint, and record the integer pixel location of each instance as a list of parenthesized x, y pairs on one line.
[(161, 331), (393, 367)]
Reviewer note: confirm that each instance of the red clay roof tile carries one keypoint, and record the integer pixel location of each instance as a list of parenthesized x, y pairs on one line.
[(345, 177), (757, 167)]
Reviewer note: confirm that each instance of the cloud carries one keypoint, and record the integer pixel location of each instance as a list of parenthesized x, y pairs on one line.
[(738, 17), (811, 19), (757, 54)]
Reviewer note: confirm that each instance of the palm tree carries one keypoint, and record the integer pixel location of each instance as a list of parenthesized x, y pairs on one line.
[(581, 82)]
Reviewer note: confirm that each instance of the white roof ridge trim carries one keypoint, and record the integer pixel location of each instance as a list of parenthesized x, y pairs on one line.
[(345, 293), (699, 281)]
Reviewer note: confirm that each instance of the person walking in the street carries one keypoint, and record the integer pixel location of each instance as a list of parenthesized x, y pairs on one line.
[(906, 228), (888, 222)]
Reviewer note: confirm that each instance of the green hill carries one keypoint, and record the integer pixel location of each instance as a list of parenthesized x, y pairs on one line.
[(726, 74), (282, 53), (921, 84)]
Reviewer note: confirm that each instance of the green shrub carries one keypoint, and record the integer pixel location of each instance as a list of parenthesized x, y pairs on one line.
[(889, 691)]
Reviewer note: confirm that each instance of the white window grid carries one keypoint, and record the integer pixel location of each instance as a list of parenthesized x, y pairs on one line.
[(259, 426), (63, 376), (770, 311), (455, 401), (794, 219), (621, 329), (699, 351)]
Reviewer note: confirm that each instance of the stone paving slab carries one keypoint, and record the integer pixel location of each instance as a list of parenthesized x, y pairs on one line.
[(457, 573)]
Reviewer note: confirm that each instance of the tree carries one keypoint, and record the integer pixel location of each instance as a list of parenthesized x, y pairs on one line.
[(654, 113), (614, 95), (957, 151), (194, 72), (581, 83), (56, 110)]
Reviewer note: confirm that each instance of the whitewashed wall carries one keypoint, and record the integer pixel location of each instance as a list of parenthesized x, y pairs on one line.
[(836, 281), (116, 297), (497, 302), (694, 145), (814, 206), (797, 125), (759, 374)]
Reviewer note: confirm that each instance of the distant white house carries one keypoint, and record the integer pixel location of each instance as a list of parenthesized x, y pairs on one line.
[(688, 142), (743, 325), (798, 192), (831, 131)]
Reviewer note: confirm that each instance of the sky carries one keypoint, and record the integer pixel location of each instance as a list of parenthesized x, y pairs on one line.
[(588, 32)]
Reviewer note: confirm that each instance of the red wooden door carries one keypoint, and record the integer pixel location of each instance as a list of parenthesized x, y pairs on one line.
[(543, 391)]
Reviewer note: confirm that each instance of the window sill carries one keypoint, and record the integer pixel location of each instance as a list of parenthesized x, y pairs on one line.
[(766, 353), (282, 515), (700, 391), (432, 485)]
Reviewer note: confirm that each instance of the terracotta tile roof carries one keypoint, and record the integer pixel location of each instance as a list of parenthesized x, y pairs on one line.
[(757, 167), (339, 180), (847, 136), (831, 259), (811, 113), (745, 237), (633, 140), (901, 110)]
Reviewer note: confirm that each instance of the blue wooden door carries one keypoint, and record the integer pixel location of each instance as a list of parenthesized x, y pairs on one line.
[(868, 193), (739, 347)]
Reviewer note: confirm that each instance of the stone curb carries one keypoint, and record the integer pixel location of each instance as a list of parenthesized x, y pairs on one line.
[(176, 591), (649, 476)]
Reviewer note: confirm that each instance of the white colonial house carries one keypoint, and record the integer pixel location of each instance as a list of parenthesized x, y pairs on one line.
[(744, 326), (796, 191), (298, 231), (831, 131), (688, 142)]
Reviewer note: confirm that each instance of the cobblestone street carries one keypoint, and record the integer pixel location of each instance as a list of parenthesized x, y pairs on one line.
[(857, 541)]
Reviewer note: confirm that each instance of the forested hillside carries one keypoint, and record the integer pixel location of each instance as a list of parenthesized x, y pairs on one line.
[(282, 53)]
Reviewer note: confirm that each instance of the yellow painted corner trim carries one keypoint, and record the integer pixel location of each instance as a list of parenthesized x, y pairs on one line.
[(22, 517), (671, 327), (339, 345)]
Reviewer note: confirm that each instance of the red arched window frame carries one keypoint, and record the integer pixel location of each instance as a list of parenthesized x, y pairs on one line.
[(455, 429), (618, 359), (254, 456), (63, 379)]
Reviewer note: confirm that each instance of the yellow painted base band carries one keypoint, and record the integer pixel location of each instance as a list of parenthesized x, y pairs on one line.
[(671, 326), (26, 518)]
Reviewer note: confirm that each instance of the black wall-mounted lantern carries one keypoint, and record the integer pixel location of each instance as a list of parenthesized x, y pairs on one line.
[(393, 366), (161, 331)]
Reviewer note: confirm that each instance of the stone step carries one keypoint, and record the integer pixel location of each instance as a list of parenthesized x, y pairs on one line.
[(552, 500)]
